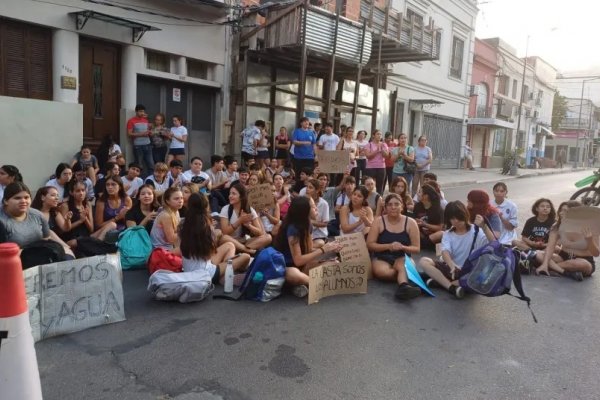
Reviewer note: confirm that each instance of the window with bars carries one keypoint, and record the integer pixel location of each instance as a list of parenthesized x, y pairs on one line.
[(456, 64), (158, 61), (25, 60)]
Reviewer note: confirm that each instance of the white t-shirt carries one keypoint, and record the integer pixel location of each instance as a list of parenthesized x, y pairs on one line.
[(192, 264), (158, 187), (216, 178), (61, 189), (459, 246), (508, 209), (342, 199), (178, 132), (234, 217), (249, 136), (189, 176), (329, 142), (132, 186), (322, 216), (361, 147)]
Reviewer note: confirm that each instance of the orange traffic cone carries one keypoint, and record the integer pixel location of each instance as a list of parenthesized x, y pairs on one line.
[(19, 375)]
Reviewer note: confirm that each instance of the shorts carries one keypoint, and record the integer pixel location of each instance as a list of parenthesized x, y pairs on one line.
[(263, 154), (566, 256), (177, 152), (281, 155), (445, 270), (387, 257)]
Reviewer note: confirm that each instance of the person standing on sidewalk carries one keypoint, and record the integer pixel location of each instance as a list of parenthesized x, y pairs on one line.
[(423, 158), (400, 156), (305, 146), (389, 162), (376, 152), (468, 163), (250, 139), (138, 128)]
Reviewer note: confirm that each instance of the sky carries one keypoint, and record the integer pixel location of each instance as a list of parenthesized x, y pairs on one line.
[(564, 33)]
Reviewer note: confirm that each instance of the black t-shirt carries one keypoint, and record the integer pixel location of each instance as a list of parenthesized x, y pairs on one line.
[(537, 231), (431, 216), (136, 214)]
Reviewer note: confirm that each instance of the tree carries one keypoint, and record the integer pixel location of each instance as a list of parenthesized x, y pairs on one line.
[(559, 110)]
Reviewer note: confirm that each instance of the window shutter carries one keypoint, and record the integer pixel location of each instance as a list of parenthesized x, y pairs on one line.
[(15, 74), (40, 61)]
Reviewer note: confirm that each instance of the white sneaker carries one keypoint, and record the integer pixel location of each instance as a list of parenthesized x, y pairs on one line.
[(300, 291)]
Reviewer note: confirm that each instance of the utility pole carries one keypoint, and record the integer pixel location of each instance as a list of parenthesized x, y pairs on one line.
[(522, 87), (578, 153)]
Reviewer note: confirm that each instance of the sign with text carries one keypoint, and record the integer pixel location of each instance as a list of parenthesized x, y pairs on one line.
[(333, 278), (333, 161), (71, 296), (177, 95), (261, 197), (355, 250), (579, 218)]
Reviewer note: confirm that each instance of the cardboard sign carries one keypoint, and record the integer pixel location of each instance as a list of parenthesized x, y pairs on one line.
[(335, 278), (333, 162), (355, 249), (261, 196), (71, 296), (578, 218)]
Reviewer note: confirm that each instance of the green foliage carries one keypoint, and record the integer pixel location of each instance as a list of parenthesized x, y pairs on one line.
[(559, 110)]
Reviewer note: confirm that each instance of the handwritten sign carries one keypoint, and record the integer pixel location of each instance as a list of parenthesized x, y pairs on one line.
[(261, 196), (333, 162), (332, 278), (355, 250), (71, 296), (578, 218)]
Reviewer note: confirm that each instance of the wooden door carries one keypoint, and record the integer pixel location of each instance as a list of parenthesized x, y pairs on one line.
[(99, 90)]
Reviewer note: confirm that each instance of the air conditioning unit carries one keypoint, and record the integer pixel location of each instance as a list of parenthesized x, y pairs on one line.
[(473, 90)]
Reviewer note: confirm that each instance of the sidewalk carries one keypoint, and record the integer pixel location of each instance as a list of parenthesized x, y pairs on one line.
[(449, 178)]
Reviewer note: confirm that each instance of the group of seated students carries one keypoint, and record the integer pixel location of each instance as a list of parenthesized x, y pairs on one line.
[(204, 216)]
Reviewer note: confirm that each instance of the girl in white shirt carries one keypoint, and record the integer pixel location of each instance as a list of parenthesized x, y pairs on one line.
[(319, 224), (178, 136)]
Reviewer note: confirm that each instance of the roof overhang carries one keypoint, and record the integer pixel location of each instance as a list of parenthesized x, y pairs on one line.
[(548, 132), (137, 29), (492, 123)]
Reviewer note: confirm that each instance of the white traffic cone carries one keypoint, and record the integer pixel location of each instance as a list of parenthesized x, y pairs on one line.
[(19, 375)]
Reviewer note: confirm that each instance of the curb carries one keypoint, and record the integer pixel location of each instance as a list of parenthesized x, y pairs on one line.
[(510, 177)]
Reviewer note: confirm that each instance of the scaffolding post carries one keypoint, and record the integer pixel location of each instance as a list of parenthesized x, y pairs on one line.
[(376, 85), (358, 73), (245, 94), (331, 69), (303, 57)]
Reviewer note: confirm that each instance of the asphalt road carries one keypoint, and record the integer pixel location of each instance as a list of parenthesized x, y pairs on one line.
[(346, 347)]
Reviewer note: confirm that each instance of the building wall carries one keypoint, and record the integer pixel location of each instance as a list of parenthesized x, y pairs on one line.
[(484, 71), (38, 140)]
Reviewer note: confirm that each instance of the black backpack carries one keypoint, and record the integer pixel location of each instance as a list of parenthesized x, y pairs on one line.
[(41, 252)]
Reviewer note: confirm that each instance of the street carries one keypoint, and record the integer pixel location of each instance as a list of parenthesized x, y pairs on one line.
[(345, 347)]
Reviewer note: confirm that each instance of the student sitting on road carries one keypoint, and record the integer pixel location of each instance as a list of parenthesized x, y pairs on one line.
[(63, 176), (46, 202), (239, 220), (197, 176), (8, 175), (132, 181), (111, 207), (77, 212), (112, 169), (357, 216), (536, 232), (457, 243), (164, 230), (187, 189), (374, 199), (145, 209), (507, 211), (88, 161), (429, 216), (282, 195), (478, 203), (305, 174), (576, 257), (400, 187), (319, 224), (158, 180), (294, 242), (198, 243), (269, 217), (80, 176), (391, 237)]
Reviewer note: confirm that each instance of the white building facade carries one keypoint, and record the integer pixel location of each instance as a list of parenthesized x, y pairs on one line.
[(433, 96), (73, 73)]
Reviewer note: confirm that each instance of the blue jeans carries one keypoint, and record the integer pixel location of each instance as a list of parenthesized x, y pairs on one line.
[(144, 152), (409, 179)]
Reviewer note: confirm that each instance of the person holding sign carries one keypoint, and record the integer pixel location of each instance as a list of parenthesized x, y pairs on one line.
[(391, 237), (294, 242), (357, 216), (305, 146), (376, 152), (240, 223), (576, 258)]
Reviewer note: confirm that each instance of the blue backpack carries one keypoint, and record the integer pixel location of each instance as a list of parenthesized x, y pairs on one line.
[(135, 247), (491, 270), (265, 276)]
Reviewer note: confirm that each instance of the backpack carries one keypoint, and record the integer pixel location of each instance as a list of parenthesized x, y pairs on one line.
[(135, 247), (184, 287), (88, 246), (42, 252), (491, 270), (271, 264)]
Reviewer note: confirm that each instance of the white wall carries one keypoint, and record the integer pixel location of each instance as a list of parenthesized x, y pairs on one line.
[(49, 132)]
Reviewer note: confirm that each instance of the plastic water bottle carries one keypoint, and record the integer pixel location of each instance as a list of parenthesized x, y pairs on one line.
[(228, 277), (254, 285)]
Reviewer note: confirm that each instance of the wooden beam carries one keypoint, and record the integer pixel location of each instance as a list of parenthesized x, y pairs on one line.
[(272, 83), (303, 58), (285, 12), (331, 68), (359, 73)]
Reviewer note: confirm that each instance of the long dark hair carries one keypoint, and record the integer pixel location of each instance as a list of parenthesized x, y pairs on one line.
[(457, 210), (122, 193), (570, 204), (434, 196), (154, 206), (551, 216), (298, 215), (195, 234), (71, 201), (37, 201), (365, 194), (13, 172), (241, 189)]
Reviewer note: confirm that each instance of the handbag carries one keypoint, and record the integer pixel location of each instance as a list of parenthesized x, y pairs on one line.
[(162, 259), (409, 167)]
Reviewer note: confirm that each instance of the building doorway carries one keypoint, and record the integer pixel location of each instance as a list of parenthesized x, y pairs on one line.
[(99, 86)]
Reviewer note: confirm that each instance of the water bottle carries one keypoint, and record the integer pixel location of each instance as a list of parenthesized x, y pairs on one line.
[(254, 285), (228, 277)]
